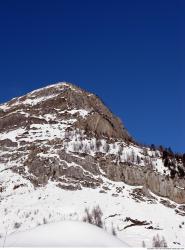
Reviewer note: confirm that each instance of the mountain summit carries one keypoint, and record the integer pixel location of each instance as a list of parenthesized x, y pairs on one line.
[(62, 101), (61, 141)]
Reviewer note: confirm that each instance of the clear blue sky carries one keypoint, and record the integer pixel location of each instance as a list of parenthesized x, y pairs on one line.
[(131, 53)]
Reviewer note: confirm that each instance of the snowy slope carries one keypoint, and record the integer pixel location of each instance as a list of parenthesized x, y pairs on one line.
[(64, 234), (27, 208), (54, 165)]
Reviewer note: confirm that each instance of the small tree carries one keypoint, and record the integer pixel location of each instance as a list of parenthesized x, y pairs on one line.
[(138, 160), (97, 216), (170, 152), (88, 217), (98, 144), (183, 160), (113, 231), (161, 149), (165, 154), (94, 217), (157, 242), (143, 244), (163, 242), (120, 150), (133, 156), (106, 147), (44, 220)]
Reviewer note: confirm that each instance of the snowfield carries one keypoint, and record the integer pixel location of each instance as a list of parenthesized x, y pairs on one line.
[(64, 234), (26, 208)]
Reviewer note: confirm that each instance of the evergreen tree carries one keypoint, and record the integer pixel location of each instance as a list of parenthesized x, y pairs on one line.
[(183, 160)]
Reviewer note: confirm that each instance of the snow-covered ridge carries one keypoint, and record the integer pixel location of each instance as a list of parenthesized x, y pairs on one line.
[(34, 97), (64, 234)]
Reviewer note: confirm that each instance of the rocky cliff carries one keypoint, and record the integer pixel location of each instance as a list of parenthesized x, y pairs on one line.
[(65, 134)]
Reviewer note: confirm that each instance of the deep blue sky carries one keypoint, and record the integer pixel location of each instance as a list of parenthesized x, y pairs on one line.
[(130, 53)]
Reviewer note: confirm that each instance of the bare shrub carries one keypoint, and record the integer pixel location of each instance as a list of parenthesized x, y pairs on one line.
[(27, 215), (44, 221), (143, 244), (133, 156), (17, 225), (88, 217), (94, 217), (159, 242), (97, 215), (106, 147), (120, 150), (113, 230), (138, 160), (98, 144)]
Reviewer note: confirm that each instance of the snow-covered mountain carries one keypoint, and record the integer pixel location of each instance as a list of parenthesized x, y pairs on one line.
[(62, 151)]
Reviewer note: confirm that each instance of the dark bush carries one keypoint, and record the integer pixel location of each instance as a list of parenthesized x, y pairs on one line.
[(17, 225), (181, 172), (94, 217)]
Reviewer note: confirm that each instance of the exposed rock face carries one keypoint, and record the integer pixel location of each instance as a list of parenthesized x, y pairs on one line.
[(67, 135), (144, 176), (64, 97)]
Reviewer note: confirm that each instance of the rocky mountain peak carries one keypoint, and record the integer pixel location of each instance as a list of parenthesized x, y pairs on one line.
[(59, 100), (62, 132)]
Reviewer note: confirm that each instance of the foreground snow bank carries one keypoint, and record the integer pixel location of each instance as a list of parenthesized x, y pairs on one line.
[(64, 234)]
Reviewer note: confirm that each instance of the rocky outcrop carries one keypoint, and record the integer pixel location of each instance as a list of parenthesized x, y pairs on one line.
[(7, 143), (101, 125), (173, 189)]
